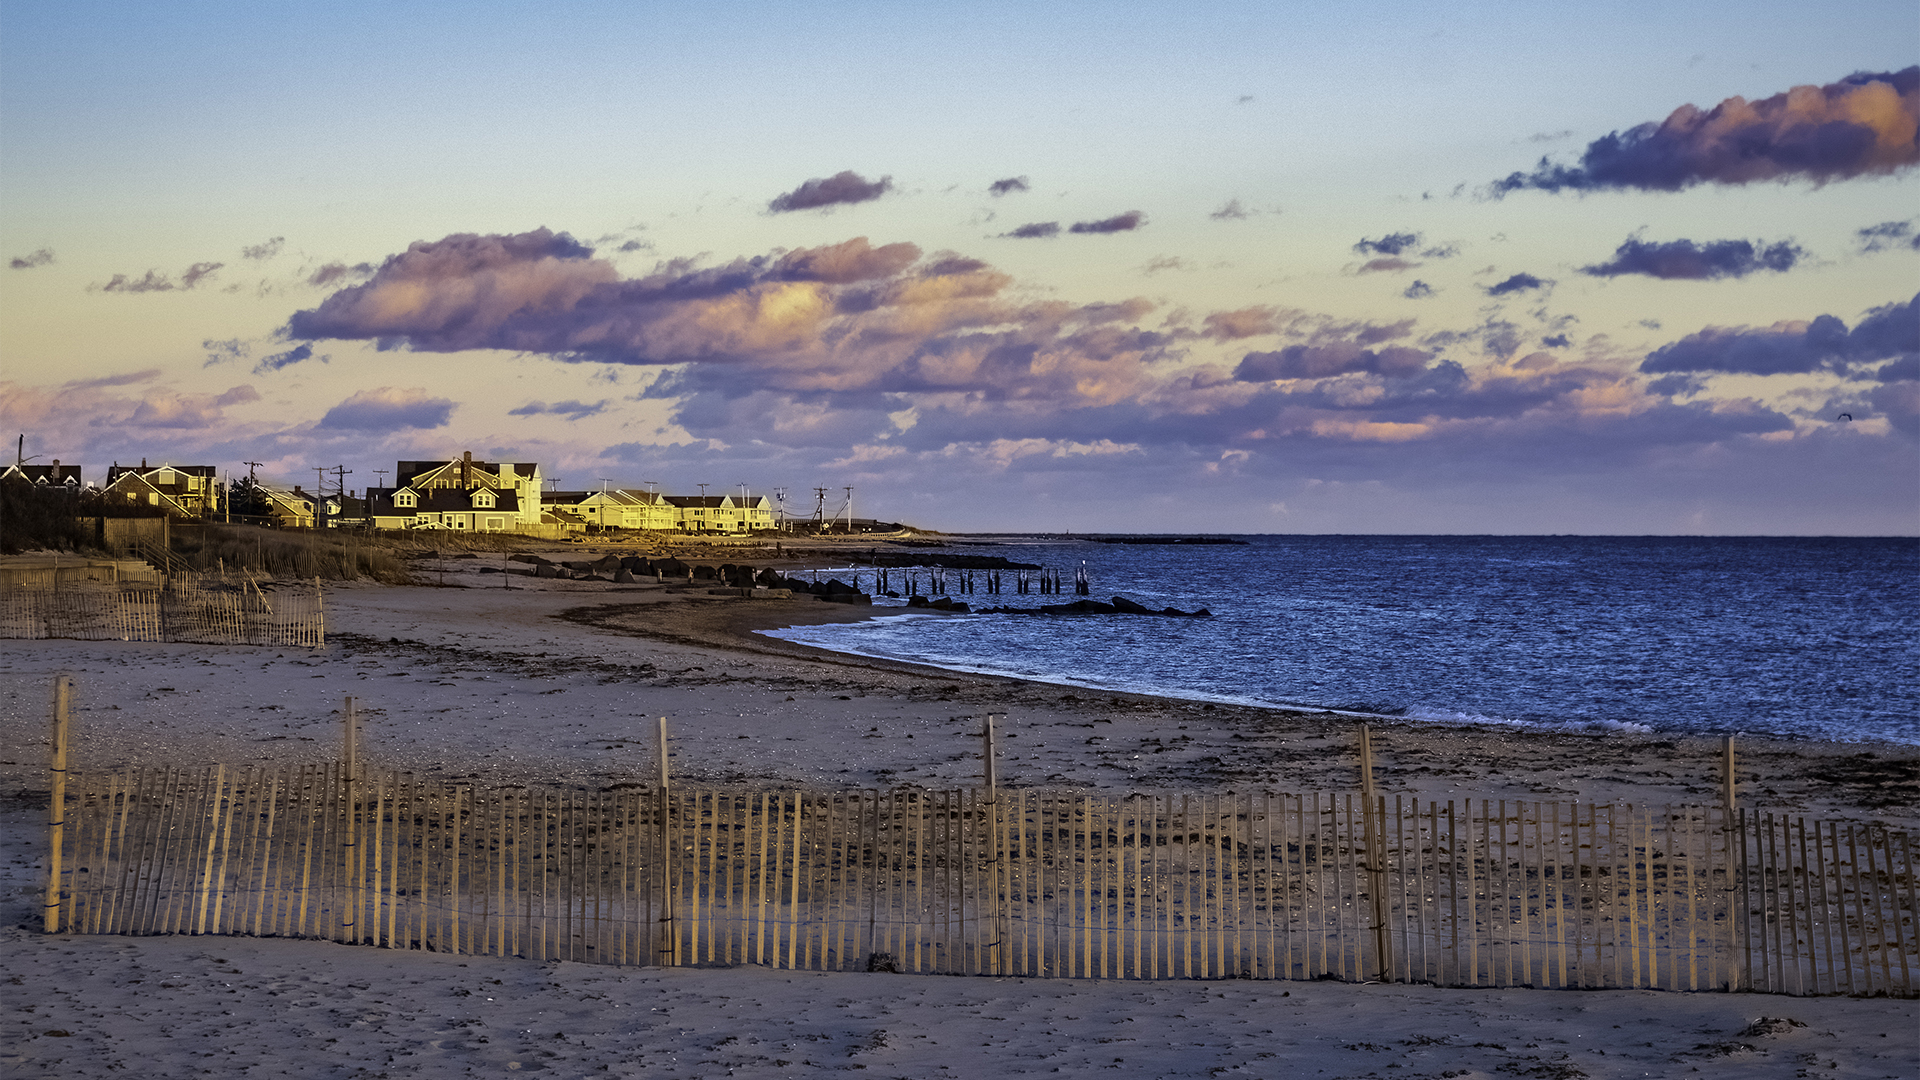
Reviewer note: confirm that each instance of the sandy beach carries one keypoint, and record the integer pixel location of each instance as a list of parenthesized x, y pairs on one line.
[(560, 681)]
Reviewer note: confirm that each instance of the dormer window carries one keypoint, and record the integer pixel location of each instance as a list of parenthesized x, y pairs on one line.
[(406, 499), (483, 499)]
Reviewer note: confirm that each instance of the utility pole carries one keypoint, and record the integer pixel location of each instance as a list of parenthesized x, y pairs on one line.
[(849, 511), (252, 465), (819, 509), (340, 474)]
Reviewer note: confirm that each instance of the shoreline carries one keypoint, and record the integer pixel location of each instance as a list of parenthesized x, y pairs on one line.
[(1780, 770), (556, 683)]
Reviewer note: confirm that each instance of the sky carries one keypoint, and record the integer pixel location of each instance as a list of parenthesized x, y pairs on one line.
[(1254, 268)]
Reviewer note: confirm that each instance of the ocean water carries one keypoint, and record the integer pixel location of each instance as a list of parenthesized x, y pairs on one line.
[(1818, 638)]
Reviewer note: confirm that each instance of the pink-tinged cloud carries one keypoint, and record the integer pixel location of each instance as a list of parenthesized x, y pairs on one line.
[(1866, 124), (839, 317), (165, 409), (841, 189), (389, 409)]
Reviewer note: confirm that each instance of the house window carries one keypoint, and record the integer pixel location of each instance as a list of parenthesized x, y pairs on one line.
[(405, 498), (483, 500), (495, 524)]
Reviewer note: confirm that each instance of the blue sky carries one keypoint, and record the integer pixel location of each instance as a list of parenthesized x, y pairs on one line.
[(1596, 358)]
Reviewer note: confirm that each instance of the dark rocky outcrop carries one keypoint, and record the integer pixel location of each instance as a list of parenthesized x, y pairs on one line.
[(1120, 606)]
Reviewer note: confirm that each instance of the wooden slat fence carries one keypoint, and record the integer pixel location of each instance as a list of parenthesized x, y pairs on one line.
[(207, 608), (1269, 886)]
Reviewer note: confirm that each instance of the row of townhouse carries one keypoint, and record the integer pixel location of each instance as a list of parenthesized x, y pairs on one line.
[(461, 494), (483, 496), (605, 511)]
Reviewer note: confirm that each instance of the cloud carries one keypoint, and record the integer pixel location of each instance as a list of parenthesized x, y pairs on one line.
[(1387, 265), (265, 250), (1556, 341), (165, 409), (155, 281), (37, 258), (911, 366), (1686, 260), (1008, 186), (198, 272), (1164, 262), (836, 317), (1390, 244), (129, 379), (1891, 332), (1244, 323), (221, 352), (1038, 230), (1324, 361), (1232, 211), (389, 409), (303, 351), (1419, 290), (841, 188), (1863, 125), (572, 410), (1882, 237), (335, 272), (1514, 284), (631, 246), (1126, 222)]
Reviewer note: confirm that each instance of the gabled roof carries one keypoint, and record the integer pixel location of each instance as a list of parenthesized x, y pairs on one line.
[(56, 473), (688, 501), (136, 484), (117, 470)]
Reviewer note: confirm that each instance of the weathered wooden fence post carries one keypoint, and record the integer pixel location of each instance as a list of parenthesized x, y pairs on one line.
[(1736, 870), (350, 847), (669, 854), (1373, 831), (56, 800), (1001, 929)]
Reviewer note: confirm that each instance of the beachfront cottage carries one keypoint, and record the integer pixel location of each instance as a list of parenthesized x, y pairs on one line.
[(289, 509), (479, 509), (757, 513), (705, 513), (462, 494), (183, 491), (626, 509)]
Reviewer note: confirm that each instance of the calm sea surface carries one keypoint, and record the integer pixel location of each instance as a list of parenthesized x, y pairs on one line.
[(1810, 637)]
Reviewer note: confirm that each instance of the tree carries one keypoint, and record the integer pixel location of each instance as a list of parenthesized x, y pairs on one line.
[(247, 498)]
